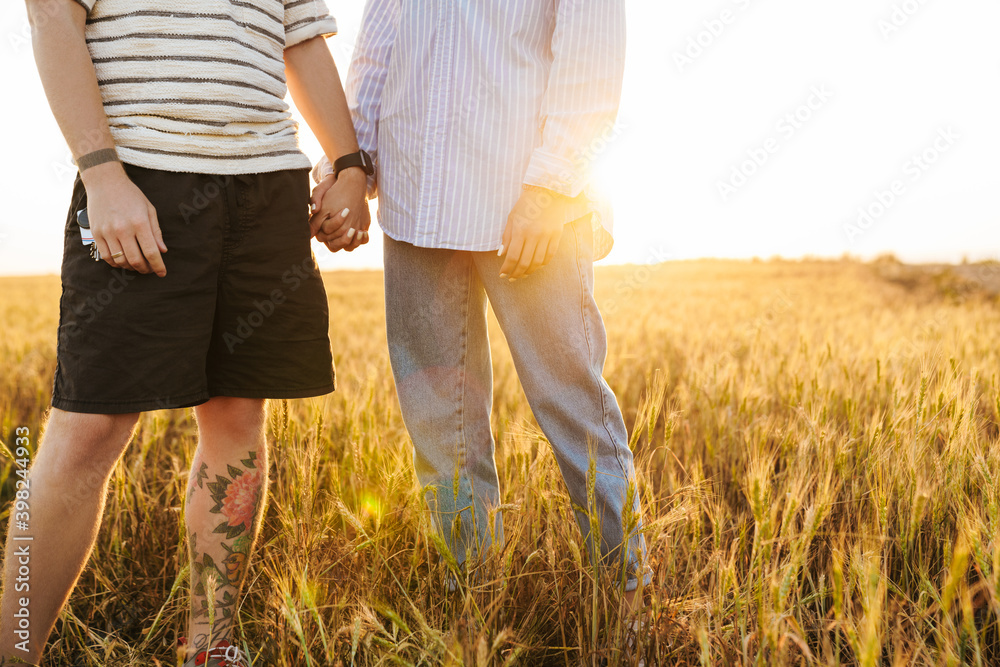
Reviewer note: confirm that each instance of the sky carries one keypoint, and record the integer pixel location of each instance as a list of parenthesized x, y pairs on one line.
[(748, 128)]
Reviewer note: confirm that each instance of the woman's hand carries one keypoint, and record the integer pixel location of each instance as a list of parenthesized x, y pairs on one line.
[(534, 228), (340, 217)]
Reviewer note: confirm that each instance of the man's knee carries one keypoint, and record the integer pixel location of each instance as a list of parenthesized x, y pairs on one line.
[(80, 444), (232, 416)]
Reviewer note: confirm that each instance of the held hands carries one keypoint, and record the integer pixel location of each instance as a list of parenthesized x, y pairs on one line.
[(534, 227), (340, 217), (123, 222)]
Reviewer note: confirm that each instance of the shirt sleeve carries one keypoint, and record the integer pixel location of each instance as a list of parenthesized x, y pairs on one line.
[(582, 96), (304, 19), (366, 79), (86, 4)]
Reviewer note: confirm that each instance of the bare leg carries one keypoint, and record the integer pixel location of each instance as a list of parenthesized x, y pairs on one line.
[(67, 484), (226, 494)]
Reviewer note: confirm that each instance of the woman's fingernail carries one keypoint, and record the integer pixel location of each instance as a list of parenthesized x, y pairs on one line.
[(502, 276), (350, 233), (500, 251), (346, 212)]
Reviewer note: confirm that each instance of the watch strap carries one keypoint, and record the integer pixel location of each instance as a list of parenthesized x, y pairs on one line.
[(97, 157), (359, 159)]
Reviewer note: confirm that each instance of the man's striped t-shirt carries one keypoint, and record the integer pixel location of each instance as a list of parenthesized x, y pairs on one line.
[(199, 86)]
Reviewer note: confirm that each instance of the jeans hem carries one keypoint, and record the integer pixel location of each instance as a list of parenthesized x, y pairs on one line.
[(632, 583)]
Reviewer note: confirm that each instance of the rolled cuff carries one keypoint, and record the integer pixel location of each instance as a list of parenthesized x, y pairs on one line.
[(322, 169), (555, 173), (632, 583), (307, 28)]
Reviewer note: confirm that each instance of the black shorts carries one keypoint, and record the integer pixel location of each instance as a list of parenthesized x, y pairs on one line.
[(241, 312)]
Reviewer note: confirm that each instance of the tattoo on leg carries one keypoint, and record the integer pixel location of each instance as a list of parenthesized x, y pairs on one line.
[(236, 497), (237, 500), (202, 475)]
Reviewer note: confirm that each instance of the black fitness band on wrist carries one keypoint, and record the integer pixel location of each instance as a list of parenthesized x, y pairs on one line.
[(97, 157), (360, 159)]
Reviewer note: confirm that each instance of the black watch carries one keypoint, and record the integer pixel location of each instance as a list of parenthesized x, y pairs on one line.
[(359, 159)]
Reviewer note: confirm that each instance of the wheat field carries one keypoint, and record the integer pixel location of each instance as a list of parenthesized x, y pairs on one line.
[(818, 456)]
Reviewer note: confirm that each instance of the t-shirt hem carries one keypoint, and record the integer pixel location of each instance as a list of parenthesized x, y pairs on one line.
[(207, 165)]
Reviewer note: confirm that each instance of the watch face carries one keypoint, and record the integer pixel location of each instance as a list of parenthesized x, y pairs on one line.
[(369, 164)]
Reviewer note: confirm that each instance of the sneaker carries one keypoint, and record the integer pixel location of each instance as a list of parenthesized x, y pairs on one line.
[(632, 633), (635, 630), (223, 654)]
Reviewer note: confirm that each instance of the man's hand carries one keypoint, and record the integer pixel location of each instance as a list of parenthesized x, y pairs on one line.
[(123, 221), (334, 197), (121, 218), (534, 228)]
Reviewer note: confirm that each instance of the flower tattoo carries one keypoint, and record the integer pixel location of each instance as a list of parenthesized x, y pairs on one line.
[(236, 497), (240, 503)]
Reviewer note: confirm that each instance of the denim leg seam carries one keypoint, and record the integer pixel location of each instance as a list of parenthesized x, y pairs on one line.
[(462, 447), (626, 538), (590, 353)]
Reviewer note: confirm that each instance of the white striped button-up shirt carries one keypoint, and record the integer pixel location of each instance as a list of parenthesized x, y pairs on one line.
[(462, 102)]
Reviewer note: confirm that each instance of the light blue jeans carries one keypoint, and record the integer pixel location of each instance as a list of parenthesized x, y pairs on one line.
[(438, 344)]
